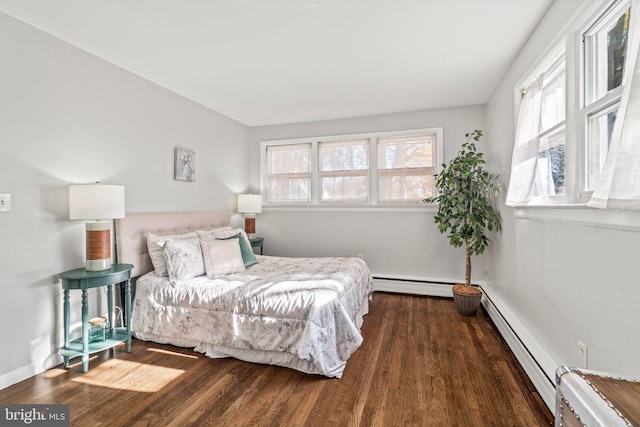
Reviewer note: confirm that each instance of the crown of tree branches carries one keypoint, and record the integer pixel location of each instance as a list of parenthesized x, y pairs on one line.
[(466, 194)]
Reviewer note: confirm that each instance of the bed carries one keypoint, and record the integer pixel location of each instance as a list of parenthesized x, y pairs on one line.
[(300, 313)]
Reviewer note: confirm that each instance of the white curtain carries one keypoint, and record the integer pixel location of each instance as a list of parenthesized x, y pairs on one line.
[(619, 183), (526, 146)]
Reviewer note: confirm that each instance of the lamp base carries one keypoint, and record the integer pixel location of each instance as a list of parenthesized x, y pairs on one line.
[(98, 264), (250, 224), (98, 246)]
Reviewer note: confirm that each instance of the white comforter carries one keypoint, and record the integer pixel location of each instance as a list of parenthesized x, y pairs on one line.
[(304, 313)]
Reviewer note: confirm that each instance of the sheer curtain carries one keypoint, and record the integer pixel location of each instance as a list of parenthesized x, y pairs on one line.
[(406, 166), (619, 183), (526, 146), (288, 178)]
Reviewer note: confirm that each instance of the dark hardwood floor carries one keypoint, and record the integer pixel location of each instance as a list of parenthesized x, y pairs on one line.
[(421, 364)]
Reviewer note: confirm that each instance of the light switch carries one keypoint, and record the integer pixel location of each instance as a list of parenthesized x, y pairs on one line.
[(5, 202)]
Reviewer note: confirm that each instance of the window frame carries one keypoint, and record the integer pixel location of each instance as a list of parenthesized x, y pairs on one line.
[(372, 203), (405, 171), (571, 43)]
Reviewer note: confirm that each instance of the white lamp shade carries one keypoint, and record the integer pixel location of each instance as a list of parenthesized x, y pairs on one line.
[(96, 201), (249, 203)]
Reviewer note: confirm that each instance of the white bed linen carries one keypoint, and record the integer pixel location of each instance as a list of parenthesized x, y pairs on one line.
[(302, 313)]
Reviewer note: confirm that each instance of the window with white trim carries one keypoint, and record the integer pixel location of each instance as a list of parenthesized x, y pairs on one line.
[(288, 174), (568, 110), (605, 45), (406, 166), (381, 168), (344, 171)]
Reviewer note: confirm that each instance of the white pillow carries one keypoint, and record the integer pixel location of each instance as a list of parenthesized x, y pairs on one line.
[(184, 259), (155, 247), (221, 257), (222, 233)]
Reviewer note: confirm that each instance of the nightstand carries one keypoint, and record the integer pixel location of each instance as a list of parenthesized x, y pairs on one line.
[(256, 242), (81, 279)]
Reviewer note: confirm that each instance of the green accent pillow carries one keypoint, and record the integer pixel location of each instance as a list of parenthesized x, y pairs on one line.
[(248, 257)]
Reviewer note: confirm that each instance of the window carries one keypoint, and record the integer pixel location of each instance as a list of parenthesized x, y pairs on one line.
[(288, 175), (538, 165), (344, 171), (550, 168), (568, 109), (382, 168), (406, 168), (605, 46)]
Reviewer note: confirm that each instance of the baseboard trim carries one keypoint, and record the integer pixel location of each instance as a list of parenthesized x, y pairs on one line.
[(412, 287), (28, 371), (533, 358)]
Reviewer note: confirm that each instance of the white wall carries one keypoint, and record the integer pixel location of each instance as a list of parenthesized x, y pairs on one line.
[(404, 244), (69, 117), (566, 276)]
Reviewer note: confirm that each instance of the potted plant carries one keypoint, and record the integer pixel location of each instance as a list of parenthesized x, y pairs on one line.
[(465, 195)]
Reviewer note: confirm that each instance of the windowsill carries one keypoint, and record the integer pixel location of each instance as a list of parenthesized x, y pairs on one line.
[(351, 208), (581, 214), (554, 206)]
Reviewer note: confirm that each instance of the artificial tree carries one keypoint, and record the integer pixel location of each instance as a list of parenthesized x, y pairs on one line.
[(466, 194)]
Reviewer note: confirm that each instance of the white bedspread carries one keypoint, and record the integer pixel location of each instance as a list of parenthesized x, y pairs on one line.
[(304, 313)]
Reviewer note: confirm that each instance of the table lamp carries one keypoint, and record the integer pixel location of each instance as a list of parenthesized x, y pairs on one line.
[(97, 202), (249, 205)]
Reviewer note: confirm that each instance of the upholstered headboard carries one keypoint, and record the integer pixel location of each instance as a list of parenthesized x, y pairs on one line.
[(131, 243)]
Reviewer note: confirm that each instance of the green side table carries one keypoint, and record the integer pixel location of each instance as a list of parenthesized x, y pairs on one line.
[(257, 242), (81, 279)]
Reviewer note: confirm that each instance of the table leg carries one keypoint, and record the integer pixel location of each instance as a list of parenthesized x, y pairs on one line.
[(110, 306), (127, 293), (67, 306), (85, 331)]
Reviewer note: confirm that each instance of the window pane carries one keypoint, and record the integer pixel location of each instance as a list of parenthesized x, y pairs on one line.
[(405, 188), (406, 168), (605, 53), (616, 50), (288, 177), (293, 158), (553, 101), (600, 128), (549, 179), (289, 190), (406, 152), (344, 155), (345, 189), (344, 171)]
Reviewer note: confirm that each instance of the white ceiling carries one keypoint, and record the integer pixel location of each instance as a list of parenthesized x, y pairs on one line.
[(267, 62)]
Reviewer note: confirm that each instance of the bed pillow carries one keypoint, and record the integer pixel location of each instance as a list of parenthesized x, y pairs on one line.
[(248, 257), (221, 257), (184, 259), (155, 248), (221, 233)]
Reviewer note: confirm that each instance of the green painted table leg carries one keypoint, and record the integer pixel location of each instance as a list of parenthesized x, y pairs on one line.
[(85, 331), (110, 305), (127, 294), (67, 306)]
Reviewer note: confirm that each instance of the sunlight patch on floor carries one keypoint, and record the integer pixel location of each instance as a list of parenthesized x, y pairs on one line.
[(54, 372), (132, 376), (171, 353)]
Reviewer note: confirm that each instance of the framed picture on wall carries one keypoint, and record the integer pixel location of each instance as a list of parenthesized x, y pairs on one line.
[(184, 165)]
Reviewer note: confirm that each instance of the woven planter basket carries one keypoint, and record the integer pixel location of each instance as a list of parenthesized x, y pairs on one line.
[(465, 303)]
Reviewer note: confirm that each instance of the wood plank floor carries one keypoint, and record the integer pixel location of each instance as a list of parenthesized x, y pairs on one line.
[(421, 364)]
